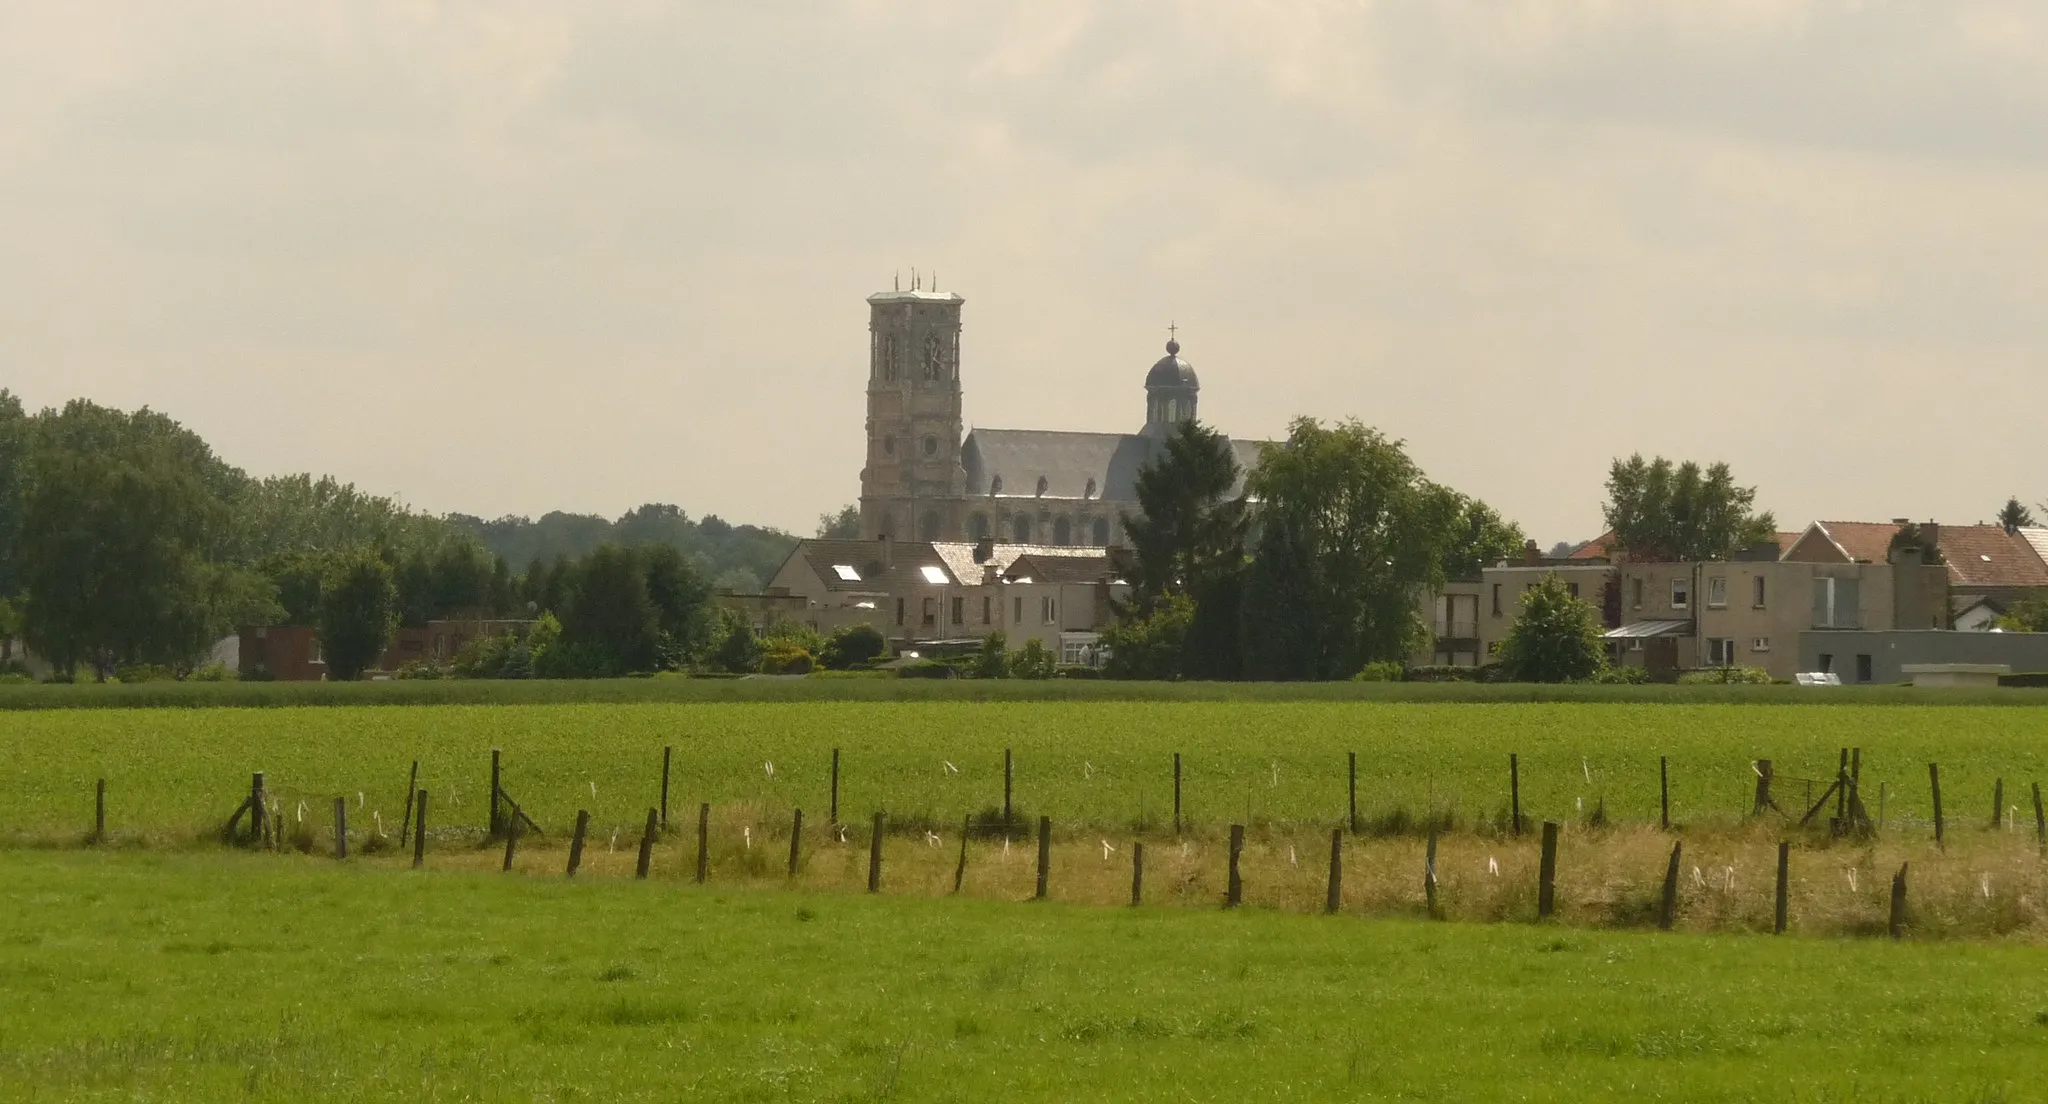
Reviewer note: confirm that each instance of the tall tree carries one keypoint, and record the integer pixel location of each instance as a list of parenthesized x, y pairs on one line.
[(358, 613), (1188, 542), (1350, 535), (2014, 516), (611, 616), (1482, 538), (844, 524), (14, 445), (681, 600), (1664, 512)]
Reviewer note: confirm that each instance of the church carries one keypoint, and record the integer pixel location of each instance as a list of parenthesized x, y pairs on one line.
[(927, 478)]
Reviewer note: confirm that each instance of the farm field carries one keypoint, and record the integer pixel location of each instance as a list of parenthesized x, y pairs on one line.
[(209, 976), (1094, 767)]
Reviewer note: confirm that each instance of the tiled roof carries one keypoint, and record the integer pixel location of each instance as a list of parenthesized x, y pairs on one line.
[(959, 557), (907, 559), (1064, 567), (1599, 548), (1861, 541), (2038, 538), (1988, 556)]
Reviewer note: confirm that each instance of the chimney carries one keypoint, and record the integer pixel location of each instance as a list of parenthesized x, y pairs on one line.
[(990, 574), (984, 550), (1532, 556), (1930, 535), (888, 552)]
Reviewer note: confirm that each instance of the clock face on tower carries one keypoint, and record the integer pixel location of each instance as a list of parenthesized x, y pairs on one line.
[(934, 357)]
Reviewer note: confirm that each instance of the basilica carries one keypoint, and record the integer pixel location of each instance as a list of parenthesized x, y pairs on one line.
[(928, 479)]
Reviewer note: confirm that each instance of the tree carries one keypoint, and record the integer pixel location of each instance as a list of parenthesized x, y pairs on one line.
[(735, 648), (1676, 513), (611, 616), (843, 525), (1034, 661), (1350, 535), (1555, 638), (118, 516), (358, 613), (14, 460), (850, 646), (2014, 516), (1482, 539), (681, 600), (2026, 615), (1188, 540), (1151, 646)]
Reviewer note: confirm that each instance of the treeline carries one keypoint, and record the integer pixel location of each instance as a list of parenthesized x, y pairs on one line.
[(733, 557)]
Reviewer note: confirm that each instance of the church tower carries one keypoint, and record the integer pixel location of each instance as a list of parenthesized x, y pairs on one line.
[(1170, 392), (913, 487)]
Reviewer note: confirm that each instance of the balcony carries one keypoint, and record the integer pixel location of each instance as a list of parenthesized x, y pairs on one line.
[(1839, 619), (1457, 628)]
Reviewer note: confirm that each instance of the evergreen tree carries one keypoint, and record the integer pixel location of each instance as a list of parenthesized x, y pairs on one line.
[(358, 613)]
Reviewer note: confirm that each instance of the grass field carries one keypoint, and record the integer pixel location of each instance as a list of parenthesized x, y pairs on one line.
[(1095, 767), (207, 977)]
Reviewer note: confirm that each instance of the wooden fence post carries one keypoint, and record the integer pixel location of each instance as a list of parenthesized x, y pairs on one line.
[(1354, 793), (1784, 885), (1137, 873), (419, 830), (1236, 887), (667, 752), (1546, 875), (497, 819), (259, 813), (341, 827), (703, 842), (412, 783), (875, 857), (1998, 803), (1515, 789), (1668, 912), (1006, 789), (576, 841), (960, 869), (796, 839), (833, 817), (2040, 818), (511, 837), (99, 812), (646, 860), (1044, 854), (1429, 876), (1934, 780), (1764, 800), (1335, 899), (1176, 793), (1898, 919), (1664, 787)]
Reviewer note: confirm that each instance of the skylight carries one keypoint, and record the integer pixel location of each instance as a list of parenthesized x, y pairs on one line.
[(934, 575), (846, 573)]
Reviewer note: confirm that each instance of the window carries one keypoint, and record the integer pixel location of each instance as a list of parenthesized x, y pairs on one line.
[(934, 575), (930, 446), (1681, 593), (987, 610), (899, 611), (1017, 613), (1760, 644), (931, 615), (1496, 599), (959, 611), (1720, 651), (1050, 607), (977, 526), (1020, 529), (1756, 592), (846, 573), (1827, 662), (313, 651), (888, 446), (1062, 532), (1635, 593), (928, 526), (1573, 588), (1837, 603), (1717, 592), (1862, 668), (1101, 532)]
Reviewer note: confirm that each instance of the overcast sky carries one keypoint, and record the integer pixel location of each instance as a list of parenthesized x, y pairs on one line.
[(511, 257)]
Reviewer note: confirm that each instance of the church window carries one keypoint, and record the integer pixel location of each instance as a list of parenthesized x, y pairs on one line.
[(930, 445), (977, 526), (1020, 528), (888, 446), (1090, 491), (1044, 485), (1063, 531), (928, 526), (1101, 532)]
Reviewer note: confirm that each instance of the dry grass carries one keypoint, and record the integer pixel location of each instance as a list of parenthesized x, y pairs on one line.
[(1984, 884)]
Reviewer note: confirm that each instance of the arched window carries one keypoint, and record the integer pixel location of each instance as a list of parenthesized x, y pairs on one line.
[(977, 526), (928, 526), (1063, 531), (1044, 485), (1101, 532), (1020, 529)]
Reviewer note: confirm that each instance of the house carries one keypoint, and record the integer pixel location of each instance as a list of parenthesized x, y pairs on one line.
[(1989, 566), (930, 591), (1469, 618)]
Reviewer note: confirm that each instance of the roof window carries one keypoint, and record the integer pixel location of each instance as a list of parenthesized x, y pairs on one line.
[(846, 573), (934, 575)]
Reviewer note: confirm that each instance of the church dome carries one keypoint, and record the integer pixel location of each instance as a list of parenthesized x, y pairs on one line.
[(1171, 370)]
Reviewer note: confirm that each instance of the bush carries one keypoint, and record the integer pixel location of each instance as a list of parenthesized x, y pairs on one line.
[(927, 668), (212, 672), (734, 646), (145, 672), (1440, 674), (993, 660), (1078, 672), (15, 678), (853, 646), (1151, 647), (420, 669), (1746, 676), (782, 659), (1033, 661), (1623, 676), (1382, 671)]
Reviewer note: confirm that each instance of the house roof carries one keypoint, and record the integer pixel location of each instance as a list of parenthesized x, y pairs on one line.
[(1857, 541), (1044, 567), (1988, 556), (907, 561), (959, 558), (1599, 548), (1070, 463)]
